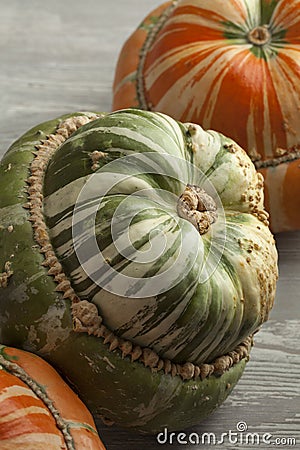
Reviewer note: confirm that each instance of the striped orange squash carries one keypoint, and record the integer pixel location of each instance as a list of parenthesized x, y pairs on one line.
[(38, 410), (232, 66)]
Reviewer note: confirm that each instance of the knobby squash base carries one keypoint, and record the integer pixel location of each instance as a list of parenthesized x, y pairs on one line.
[(130, 386)]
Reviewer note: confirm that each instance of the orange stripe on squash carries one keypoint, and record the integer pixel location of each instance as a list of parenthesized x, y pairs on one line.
[(33, 423), (291, 193), (9, 405), (129, 58)]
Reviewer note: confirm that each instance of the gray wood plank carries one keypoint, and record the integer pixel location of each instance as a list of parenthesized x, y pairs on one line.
[(57, 57)]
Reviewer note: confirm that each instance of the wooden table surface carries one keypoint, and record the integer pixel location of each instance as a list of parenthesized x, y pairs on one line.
[(59, 56)]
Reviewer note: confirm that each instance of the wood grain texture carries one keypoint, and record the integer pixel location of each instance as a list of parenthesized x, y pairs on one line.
[(57, 57)]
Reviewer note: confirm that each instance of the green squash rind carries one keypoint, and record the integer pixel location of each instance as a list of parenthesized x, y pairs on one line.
[(36, 318)]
